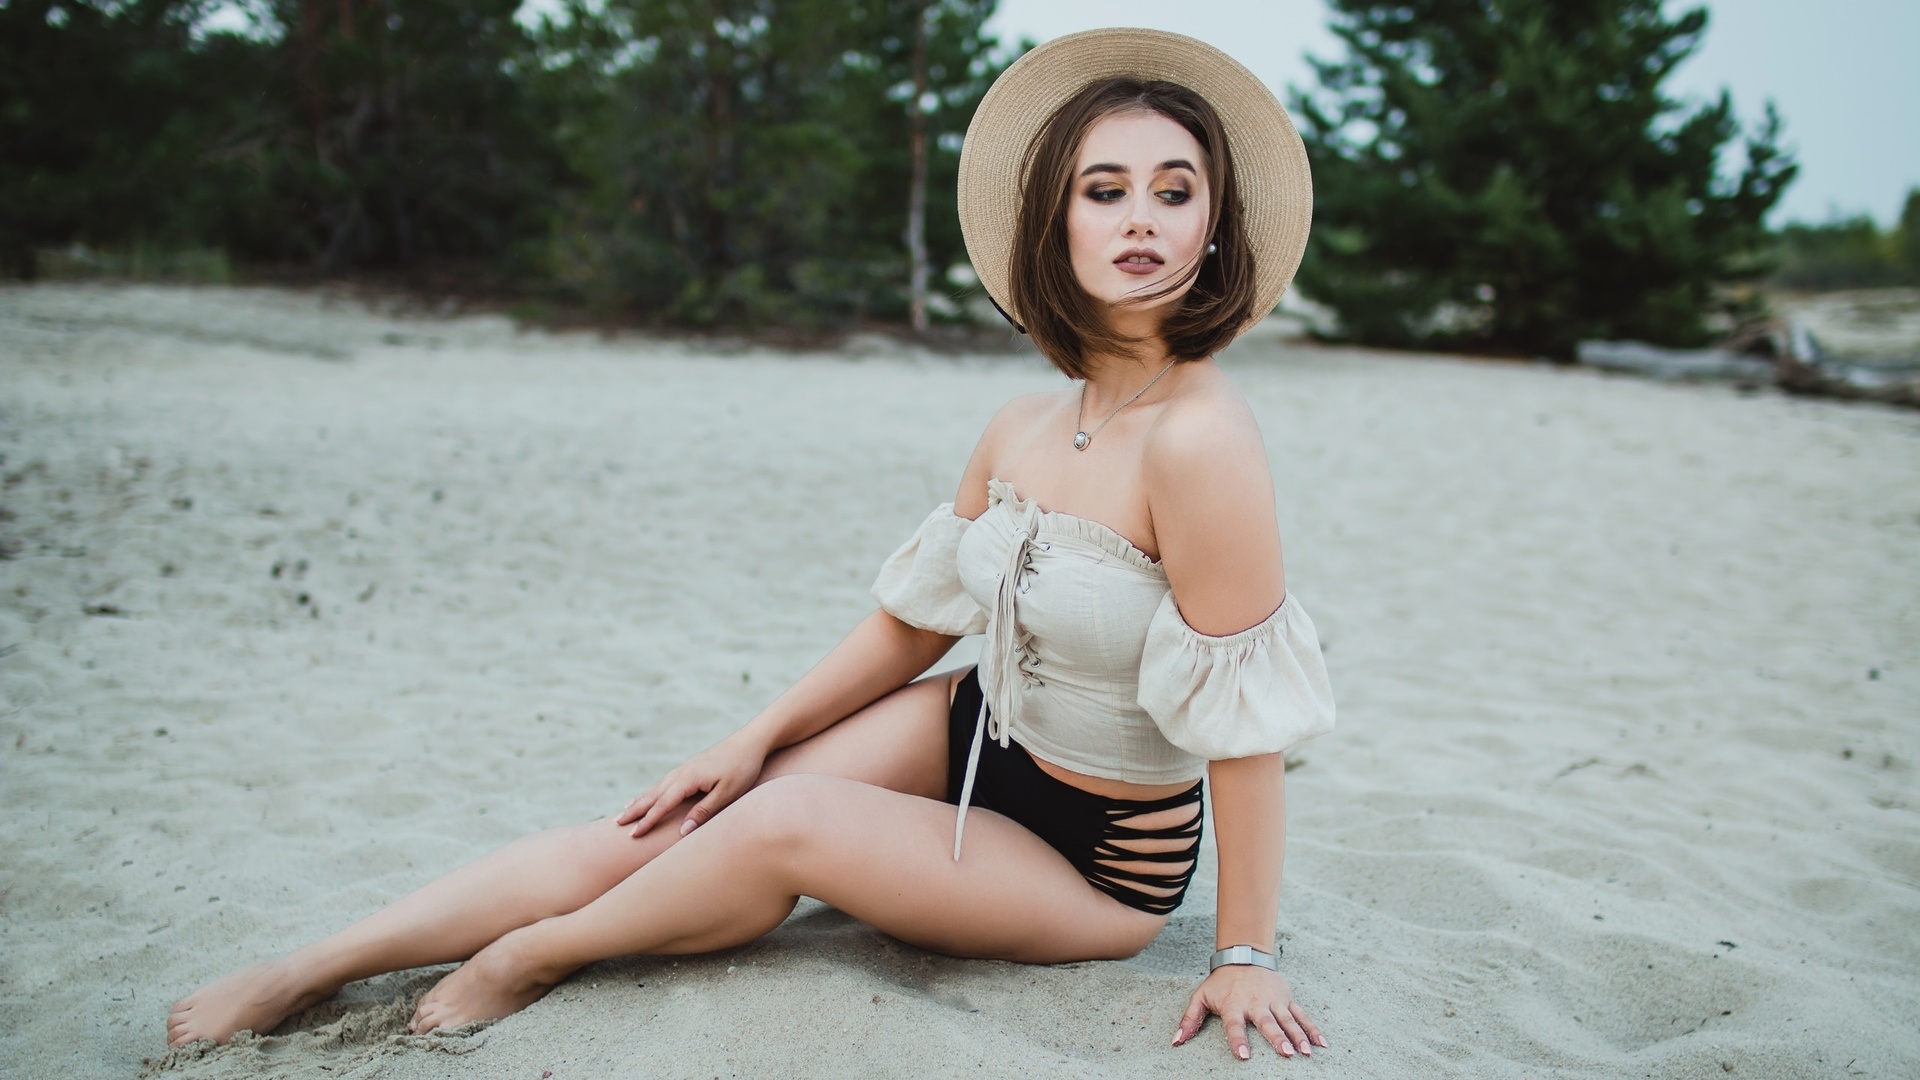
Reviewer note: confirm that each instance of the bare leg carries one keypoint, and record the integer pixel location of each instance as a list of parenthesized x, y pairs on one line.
[(881, 856), (898, 742)]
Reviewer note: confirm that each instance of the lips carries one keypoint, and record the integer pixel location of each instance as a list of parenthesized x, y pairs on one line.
[(1139, 261)]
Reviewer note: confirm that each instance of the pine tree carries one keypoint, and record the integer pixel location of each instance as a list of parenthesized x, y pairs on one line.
[(1907, 239), (1508, 175), (750, 161)]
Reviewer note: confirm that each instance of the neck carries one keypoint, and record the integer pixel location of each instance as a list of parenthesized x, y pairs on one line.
[(1113, 380), (1123, 372)]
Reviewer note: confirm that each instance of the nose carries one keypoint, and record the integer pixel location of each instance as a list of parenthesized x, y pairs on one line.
[(1140, 215)]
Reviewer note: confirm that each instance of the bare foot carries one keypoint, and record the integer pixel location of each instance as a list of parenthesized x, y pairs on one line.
[(500, 980), (256, 998)]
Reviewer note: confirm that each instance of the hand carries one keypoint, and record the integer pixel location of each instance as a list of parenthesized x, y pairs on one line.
[(723, 772), (1241, 992)]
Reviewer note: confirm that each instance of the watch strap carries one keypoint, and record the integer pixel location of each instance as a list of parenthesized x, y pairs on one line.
[(1246, 954)]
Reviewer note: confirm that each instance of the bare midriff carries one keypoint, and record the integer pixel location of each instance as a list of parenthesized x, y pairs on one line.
[(1105, 788), (1097, 785)]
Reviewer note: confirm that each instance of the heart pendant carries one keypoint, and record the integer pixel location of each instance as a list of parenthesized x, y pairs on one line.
[(1081, 439)]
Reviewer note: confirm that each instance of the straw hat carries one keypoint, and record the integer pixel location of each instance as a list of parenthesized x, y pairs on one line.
[(1276, 190)]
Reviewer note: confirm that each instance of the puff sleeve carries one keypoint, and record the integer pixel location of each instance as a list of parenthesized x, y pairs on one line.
[(920, 583), (1255, 692)]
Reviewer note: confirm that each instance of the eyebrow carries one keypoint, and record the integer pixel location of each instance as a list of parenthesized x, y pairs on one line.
[(1165, 166)]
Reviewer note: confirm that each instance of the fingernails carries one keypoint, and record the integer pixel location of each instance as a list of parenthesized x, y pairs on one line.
[(687, 826), (1243, 1053)]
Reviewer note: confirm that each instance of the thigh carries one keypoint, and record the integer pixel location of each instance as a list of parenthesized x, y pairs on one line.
[(899, 742), (886, 858)]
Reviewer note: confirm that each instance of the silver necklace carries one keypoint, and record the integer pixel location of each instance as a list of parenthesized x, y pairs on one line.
[(1082, 438)]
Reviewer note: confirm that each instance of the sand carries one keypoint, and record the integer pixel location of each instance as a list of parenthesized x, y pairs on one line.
[(306, 603)]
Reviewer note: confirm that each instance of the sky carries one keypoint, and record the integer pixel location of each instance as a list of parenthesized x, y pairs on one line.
[(1845, 75)]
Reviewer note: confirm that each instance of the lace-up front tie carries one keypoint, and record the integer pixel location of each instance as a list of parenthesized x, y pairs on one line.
[(1007, 661), (1131, 692)]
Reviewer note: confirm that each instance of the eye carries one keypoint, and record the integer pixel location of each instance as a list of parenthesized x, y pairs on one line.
[(1105, 194), (1174, 196)]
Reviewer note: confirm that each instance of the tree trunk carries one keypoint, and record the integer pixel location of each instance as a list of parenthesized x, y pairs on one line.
[(1802, 368), (917, 198), (313, 97)]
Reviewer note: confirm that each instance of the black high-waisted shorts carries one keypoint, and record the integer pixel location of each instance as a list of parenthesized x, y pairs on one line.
[(1143, 864)]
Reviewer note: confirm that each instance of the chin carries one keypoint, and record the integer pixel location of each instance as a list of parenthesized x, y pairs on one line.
[(1163, 306)]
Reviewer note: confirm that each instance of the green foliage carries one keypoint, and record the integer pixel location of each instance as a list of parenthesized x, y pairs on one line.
[(142, 262), (346, 133), (698, 161), (747, 160), (380, 136), (1507, 175), (1906, 246), (1851, 253), (99, 130)]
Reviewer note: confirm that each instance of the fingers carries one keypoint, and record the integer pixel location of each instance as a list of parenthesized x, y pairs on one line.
[(1270, 1026), (1261, 998), (665, 796), (647, 818), (1295, 1034), (1191, 1023), (701, 812), (637, 807), (1307, 1027), (1237, 1034)]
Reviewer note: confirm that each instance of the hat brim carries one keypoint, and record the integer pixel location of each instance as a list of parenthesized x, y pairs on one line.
[(1269, 161)]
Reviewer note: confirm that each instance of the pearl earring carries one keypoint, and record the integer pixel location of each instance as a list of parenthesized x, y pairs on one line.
[(1212, 248)]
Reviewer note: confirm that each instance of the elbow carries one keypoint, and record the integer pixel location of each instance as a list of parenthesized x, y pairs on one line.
[(931, 643)]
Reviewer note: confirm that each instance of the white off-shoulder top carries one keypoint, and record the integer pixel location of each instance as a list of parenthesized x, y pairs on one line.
[(1088, 663)]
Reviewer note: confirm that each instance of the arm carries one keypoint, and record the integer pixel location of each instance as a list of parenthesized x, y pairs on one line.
[(1250, 830), (1250, 833), (1211, 498), (882, 654)]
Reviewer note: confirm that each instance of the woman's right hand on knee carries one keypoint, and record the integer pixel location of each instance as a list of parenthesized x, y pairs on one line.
[(719, 774)]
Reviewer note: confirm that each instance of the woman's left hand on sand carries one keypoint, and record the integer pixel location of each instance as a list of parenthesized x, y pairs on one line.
[(1239, 994)]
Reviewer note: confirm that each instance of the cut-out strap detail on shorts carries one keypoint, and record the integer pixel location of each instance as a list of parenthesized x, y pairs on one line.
[(1140, 852), (1143, 865)]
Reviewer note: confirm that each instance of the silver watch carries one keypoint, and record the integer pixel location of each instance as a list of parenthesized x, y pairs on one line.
[(1247, 954)]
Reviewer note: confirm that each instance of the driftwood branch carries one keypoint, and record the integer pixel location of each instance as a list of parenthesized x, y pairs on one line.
[(1652, 360), (1801, 367), (1782, 352)]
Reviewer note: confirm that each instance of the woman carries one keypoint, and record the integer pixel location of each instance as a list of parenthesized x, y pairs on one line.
[(1139, 630)]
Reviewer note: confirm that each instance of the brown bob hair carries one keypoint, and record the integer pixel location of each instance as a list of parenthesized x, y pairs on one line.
[(1065, 321)]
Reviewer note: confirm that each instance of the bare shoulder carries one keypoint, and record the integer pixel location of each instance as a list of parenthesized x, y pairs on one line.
[(1210, 494), (1022, 412), (1207, 435), (1012, 419)]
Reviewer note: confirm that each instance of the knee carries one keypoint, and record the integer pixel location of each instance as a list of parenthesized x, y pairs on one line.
[(1134, 941), (782, 816), (602, 849)]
